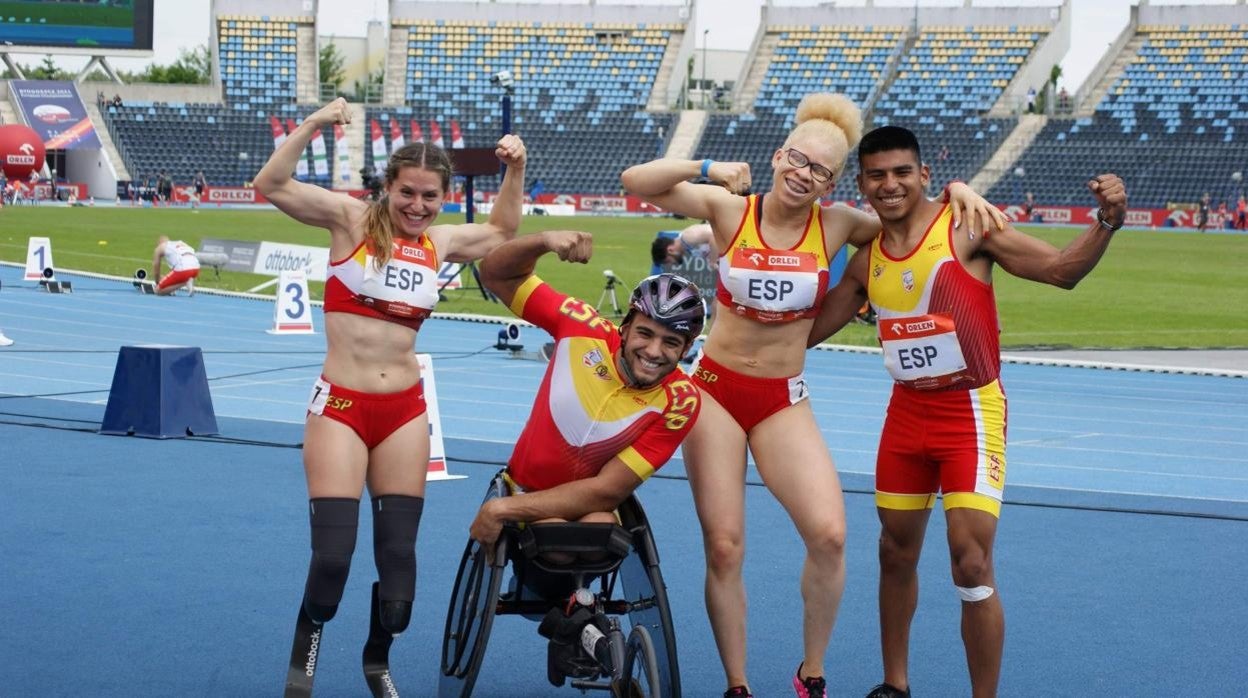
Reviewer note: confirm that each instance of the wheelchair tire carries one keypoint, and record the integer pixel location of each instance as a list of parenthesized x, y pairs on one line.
[(640, 675), (469, 620)]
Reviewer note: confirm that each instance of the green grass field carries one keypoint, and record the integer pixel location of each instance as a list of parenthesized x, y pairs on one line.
[(1152, 289)]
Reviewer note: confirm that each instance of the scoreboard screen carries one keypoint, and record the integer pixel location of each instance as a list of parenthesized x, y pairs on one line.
[(102, 25)]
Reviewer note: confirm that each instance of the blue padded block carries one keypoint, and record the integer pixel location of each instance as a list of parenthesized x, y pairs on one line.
[(159, 392)]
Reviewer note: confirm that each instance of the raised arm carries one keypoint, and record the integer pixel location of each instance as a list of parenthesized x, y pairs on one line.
[(569, 501), (507, 266), (306, 203), (665, 183), (1037, 260), (843, 301), (471, 241)]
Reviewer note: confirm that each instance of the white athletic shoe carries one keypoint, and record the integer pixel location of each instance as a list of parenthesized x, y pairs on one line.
[(5, 341), (190, 287)]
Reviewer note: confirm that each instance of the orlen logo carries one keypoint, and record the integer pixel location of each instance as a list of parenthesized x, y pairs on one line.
[(920, 326), (245, 196), (778, 260), (26, 158), (416, 252), (1138, 218)]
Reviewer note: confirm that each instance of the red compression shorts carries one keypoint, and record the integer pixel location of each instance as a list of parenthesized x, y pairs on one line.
[(174, 278), (748, 399), (949, 441), (372, 417)]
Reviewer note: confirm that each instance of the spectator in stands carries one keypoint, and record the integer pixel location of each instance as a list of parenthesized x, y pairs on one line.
[(1202, 213), (945, 428), (366, 422), (1063, 100), (775, 252), (117, 101), (1031, 100)]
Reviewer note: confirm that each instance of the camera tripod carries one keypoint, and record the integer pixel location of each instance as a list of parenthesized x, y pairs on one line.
[(608, 291)]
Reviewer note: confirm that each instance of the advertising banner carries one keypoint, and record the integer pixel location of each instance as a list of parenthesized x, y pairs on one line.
[(55, 111)]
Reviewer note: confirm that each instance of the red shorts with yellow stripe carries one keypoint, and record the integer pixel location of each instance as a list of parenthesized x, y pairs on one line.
[(949, 441), (373, 417)]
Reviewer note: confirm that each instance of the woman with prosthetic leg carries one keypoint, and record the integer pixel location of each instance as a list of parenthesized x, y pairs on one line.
[(366, 421)]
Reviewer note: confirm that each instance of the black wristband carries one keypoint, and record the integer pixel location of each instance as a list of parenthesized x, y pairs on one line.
[(1100, 219)]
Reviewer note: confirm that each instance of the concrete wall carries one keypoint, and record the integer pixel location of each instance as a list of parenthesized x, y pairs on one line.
[(1193, 14), (534, 12), (152, 92), (93, 168)]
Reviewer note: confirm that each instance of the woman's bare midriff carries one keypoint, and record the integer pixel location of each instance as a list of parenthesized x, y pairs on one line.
[(751, 348), (369, 355)]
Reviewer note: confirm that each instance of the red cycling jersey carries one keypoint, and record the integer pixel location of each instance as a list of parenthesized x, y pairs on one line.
[(585, 414)]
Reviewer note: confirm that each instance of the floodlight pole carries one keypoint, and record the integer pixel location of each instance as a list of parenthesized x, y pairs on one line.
[(704, 33)]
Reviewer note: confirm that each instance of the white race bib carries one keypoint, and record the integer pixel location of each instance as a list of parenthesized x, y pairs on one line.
[(922, 351), (320, 393)]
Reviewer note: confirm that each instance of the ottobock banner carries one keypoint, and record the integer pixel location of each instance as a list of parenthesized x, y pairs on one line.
[(270, 258), (55, 111)]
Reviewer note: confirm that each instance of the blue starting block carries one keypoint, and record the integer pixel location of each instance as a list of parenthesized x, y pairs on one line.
[(159, 392)]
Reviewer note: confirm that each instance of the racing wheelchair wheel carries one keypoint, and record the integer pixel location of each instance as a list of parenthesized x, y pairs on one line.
[(639, 677)]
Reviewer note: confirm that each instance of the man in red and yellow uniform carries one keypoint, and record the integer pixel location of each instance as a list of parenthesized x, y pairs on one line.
[(931, 288), (613, 405)]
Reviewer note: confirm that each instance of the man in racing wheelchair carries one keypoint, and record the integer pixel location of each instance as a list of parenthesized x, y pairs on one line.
[(612, 408)]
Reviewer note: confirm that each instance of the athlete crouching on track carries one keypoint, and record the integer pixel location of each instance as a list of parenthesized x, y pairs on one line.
[(366, 421), (613, 406)]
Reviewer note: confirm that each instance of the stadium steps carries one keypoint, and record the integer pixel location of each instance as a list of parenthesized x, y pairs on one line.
[(307, 87), (687, 133), (1010, 150), (354, 134), (747, 93), (1087, 107), (667, 68), (106, 139), (394, 81)]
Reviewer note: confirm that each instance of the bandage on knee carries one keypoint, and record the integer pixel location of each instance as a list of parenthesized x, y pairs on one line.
[(974, 594)]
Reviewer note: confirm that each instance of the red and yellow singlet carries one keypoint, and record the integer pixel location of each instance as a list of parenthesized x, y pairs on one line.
[(768, 284), (404, 290), (936, 323)]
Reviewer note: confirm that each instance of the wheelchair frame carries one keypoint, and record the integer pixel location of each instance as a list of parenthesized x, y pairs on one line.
[(632, 585)]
